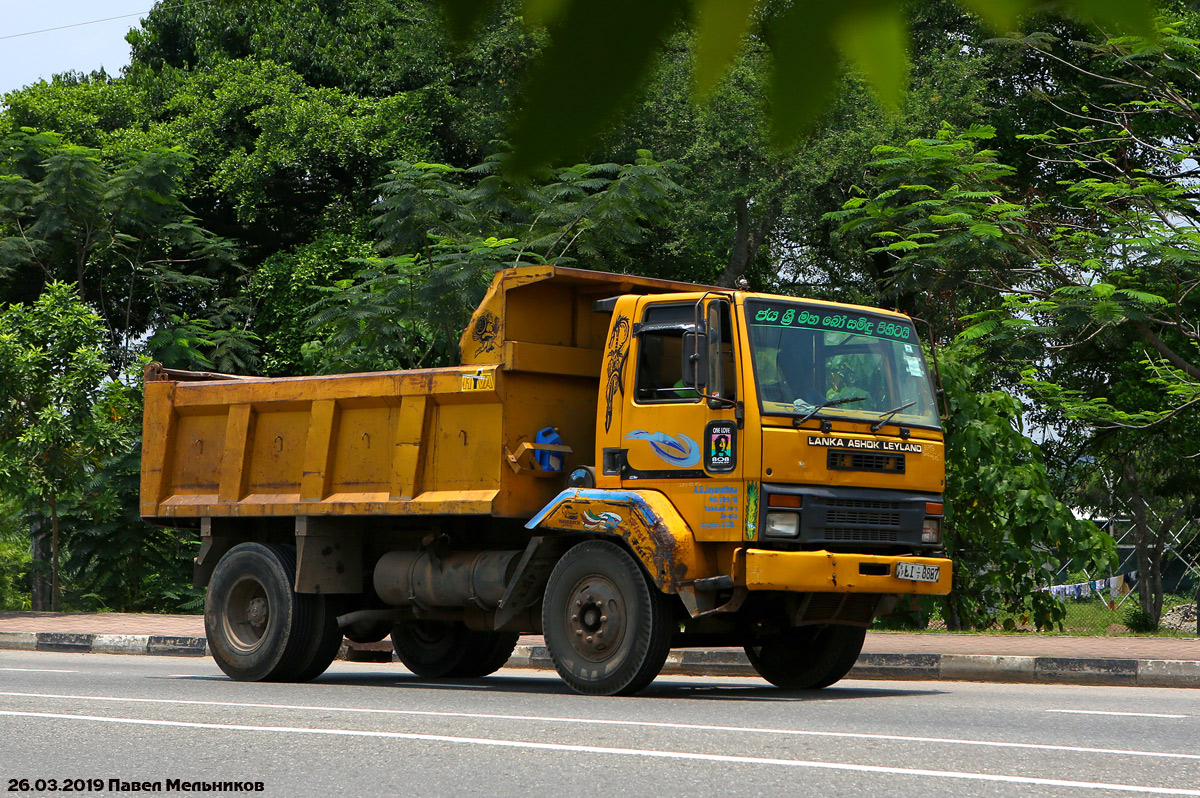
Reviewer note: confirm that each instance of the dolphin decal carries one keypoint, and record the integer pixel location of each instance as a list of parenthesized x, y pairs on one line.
[(607, 521), (677, 450)]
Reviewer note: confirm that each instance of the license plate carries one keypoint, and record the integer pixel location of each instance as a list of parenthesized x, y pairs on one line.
[(917, 572)]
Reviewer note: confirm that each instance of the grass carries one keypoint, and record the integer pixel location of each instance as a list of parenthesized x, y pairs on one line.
[(1084, 617)]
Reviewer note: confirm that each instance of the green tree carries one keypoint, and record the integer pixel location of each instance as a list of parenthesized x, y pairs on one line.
[(598, 53), (1006, 532), (444, 232), (120, 233), (754, 210), (1084, 281), (58, 414), (371, 49), (115, 560), (287, 284)]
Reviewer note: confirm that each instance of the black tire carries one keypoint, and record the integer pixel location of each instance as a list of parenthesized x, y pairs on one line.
[(431, 649), (259, 629), (486, 653), (324, 635), (608, 629), (807, 657)]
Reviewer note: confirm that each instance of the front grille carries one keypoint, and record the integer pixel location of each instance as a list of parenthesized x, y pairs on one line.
[(866, 504), (861, 535), (857, 517), (848, 460)]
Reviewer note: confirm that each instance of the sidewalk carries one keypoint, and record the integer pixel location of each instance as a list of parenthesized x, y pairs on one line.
[(1143, 661)]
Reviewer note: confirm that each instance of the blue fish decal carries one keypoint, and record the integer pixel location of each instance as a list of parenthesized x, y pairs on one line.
[(609, 521), (677, 450)]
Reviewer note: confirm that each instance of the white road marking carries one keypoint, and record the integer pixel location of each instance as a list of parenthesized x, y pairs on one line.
[(38, 670), (444, 686), (638, 752), (607, 722), (1119, 714)]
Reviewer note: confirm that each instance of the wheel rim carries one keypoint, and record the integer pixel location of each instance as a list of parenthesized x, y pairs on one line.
[(596, 618), (247, 614)]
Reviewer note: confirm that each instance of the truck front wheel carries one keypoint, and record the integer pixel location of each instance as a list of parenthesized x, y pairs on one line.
[(807, 657), (607, 628), (258, 628)]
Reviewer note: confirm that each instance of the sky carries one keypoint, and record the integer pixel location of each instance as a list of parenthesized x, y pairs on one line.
[(25, 59)]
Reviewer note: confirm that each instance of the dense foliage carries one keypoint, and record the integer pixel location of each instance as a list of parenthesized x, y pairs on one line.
[(299, 187)]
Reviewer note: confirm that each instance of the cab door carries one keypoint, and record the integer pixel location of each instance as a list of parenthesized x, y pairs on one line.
[(680, 439)]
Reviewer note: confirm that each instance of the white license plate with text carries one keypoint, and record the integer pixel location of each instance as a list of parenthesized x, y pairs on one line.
[(917, 572)]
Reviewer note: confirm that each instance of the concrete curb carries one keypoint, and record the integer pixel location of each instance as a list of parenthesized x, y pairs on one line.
[(75, 643), (935, 667), (714, 662)]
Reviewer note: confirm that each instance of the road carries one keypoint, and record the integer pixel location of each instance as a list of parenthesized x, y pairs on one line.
[(367, 729)]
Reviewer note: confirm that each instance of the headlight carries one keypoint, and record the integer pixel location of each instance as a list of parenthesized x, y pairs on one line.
[(782, 525), (931, 532)]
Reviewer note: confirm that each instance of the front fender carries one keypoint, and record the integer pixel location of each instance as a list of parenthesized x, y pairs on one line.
[(645, 519)]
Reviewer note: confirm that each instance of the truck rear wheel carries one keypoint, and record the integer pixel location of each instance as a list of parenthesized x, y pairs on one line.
[(434, 649), (325, 638), (607, 628), (807, 657), (486, 653), (258, 628)]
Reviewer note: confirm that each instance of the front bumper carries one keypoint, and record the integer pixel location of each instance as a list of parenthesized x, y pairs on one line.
[(827, 572)]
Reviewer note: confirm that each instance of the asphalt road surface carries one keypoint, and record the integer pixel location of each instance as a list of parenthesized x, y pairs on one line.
[(168, 724)]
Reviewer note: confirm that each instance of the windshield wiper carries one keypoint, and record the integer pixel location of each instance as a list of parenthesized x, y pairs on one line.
[(830, 403), (878, 425)]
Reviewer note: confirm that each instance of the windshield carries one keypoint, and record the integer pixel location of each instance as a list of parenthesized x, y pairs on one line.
[(869, 365)]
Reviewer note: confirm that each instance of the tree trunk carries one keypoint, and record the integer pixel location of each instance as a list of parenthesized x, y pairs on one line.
[(54, 590), (39, 551), (748, 236), (1148, 547)]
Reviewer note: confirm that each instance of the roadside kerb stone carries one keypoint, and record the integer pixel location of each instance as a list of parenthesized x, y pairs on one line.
[(1168, 673), (709, 662), (66, 642), (119, 644), (165, 645), (530, 657), (18, 641), (987, 668), (1086, 670), (896, 666)]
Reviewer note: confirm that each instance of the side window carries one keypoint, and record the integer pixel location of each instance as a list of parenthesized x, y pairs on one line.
[(722, 373), (659, 374)]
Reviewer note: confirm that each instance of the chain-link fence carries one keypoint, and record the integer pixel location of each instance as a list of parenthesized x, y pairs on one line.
[(1108, 603)]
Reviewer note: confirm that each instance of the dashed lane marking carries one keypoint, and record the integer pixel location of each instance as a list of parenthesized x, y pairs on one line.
[(1118, 714)]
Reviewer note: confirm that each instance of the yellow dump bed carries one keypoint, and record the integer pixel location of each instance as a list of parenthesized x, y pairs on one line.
[(433, 441)]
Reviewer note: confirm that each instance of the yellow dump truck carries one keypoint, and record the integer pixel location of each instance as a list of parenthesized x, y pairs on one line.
[(622, 464)]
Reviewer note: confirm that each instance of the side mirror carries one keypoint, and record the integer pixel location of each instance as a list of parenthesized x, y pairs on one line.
[(694, 363)]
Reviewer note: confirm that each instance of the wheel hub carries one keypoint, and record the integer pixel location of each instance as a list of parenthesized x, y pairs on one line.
[(596, 618), (247, 613), (256, 613)]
